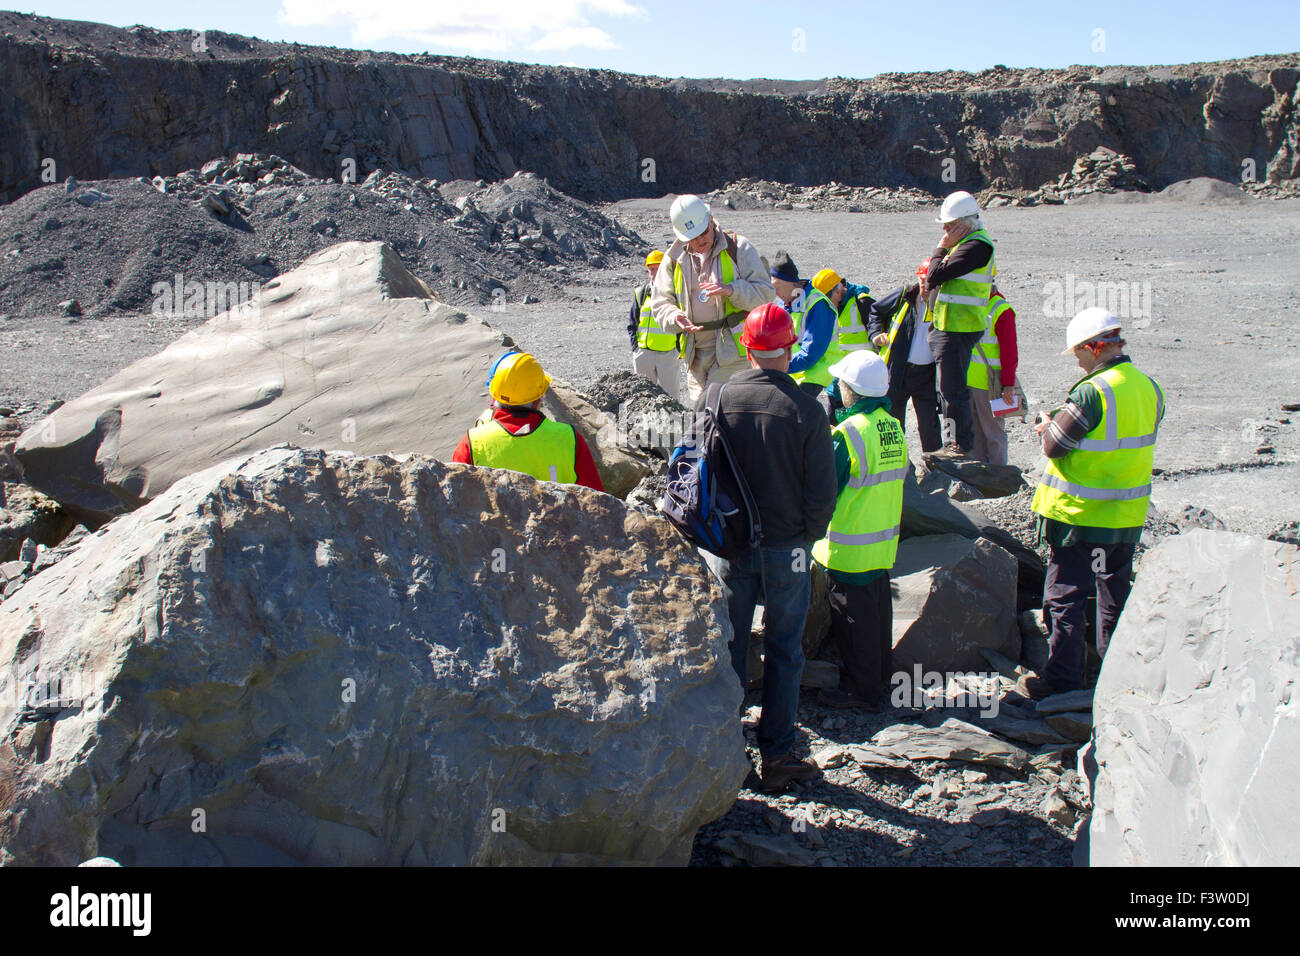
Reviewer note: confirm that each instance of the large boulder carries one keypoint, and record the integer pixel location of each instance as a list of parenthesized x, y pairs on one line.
[(1196, 725), (311, 657), (953, 596), (935, 513), (349, 351)]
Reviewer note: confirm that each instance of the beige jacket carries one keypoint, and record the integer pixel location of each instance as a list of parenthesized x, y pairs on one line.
[(750, 289)]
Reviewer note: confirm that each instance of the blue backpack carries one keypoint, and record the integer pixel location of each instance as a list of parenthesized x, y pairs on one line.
[(708, 499)]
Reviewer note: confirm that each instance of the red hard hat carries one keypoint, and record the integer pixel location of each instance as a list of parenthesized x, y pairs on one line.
[(923, 268), (768, 329)]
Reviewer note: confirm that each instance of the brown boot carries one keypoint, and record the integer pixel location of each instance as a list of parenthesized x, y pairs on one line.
[(779, 772)]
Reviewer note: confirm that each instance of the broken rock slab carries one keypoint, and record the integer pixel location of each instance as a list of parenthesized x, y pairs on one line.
[(1197, 730), (349, 352), (953, 597), (1073, 700), (356, 660), (991, 481), (952, 740), (935, 513)]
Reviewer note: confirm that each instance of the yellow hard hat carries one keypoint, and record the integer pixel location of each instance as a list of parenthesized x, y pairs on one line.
[(517, 379), (654, 259), (826, 280)]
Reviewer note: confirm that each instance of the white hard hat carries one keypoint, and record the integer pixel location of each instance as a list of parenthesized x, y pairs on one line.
[(690, 215), (865, 371), (1087, 325), (957, 206)]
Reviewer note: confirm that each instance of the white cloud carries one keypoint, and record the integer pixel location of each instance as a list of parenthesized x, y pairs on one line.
[(479, 26), (572, 37)]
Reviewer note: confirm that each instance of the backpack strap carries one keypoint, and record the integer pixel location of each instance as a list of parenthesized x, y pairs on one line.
[(712, 406)]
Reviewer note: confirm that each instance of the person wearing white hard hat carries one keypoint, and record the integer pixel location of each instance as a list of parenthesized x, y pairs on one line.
[(958, 285), (1093, 497), (862, 541), (708, 282)]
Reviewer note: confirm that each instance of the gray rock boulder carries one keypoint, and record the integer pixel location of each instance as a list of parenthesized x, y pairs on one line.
[(1196, 728), (927, 512), (953, 596), (321, 658), (347, 352)]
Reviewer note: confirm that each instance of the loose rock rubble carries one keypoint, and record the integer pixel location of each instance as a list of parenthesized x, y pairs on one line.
[(1101, 171), (832, 197), (247, 219)]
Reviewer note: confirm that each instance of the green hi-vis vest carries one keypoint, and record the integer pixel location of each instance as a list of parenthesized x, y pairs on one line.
[(818, 373), (649, 335), (728, 276), (895, 324), (962, 304), (863, 534), (547, 453), (1106, 481), (986, 358), (848, 335)]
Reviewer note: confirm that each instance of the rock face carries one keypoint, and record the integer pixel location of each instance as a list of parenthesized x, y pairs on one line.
[(139, 102), (952, 597), (1196, 727), (320, 658), (349, 351)]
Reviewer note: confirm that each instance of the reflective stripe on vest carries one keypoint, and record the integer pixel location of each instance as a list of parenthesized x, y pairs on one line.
[(852, 332), (986, 357), (962, 303), (819, 372), (1106, 481), (863, 533), (728, 269), (547, 453), (894, 325), (649, 335)]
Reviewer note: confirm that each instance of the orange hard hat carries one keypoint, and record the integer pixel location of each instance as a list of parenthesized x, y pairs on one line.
[(768, 329), (923, 268)]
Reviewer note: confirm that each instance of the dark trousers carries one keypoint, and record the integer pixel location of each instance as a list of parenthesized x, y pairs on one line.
[(952, 351), (1073, 575), (862, 625), (770, 574), (917, 383)]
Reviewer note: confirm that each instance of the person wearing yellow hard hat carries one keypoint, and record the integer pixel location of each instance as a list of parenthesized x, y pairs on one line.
[(654, 349), (515, 435), (833, 326)]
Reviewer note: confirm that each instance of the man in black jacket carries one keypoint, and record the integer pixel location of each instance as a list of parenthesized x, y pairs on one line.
[(897, 328), (782, 444)]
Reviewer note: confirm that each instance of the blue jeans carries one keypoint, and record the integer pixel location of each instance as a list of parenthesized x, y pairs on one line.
[(786, 592)]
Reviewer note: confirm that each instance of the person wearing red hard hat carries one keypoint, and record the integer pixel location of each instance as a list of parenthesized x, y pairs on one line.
[(780, 441)]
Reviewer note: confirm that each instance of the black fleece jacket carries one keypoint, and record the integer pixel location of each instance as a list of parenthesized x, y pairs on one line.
[(782, 442)]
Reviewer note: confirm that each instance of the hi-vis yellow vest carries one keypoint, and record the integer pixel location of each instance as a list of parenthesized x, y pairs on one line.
[(649, 335), (728, 269), (986, 358), (547, 453), (962, 304), (863, 534), (1106, 481), (895, 324), (848, 334)]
